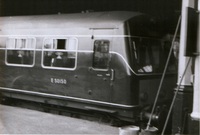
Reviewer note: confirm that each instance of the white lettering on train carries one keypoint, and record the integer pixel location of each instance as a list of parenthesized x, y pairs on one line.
[(58, 81)]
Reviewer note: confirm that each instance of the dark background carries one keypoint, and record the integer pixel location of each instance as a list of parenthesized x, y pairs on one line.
[(166, 12)]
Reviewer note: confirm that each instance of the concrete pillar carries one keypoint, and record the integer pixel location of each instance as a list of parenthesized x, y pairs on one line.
[(182, 59), (196, 101), (183, 102)]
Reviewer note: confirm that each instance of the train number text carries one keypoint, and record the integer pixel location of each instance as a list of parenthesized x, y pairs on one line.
[(58, 81)]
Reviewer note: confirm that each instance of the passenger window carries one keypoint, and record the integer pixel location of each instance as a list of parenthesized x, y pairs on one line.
[(101, 54), (20, 51), (60, 53)]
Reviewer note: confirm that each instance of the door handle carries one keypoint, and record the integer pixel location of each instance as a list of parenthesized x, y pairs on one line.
[(112, 77)]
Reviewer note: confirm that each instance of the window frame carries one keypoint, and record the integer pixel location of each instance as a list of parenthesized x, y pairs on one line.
[(20, 49), (54, 49)]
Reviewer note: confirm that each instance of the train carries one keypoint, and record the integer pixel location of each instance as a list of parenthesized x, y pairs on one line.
[(109, 62)]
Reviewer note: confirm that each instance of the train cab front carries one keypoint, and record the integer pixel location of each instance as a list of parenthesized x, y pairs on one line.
[(148, 61)]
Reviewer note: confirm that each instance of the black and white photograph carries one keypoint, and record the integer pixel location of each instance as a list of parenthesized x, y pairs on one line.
[(100, 67)]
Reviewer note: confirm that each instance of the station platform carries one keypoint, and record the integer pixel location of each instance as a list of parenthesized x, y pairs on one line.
[(14, 120)]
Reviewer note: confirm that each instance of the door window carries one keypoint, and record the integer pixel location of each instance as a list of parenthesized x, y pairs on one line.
[(101, 55)]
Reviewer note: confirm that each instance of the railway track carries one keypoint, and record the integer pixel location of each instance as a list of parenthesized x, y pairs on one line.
[(66, 111)]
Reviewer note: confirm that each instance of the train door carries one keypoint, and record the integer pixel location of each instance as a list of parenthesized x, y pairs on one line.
[(101, 75)]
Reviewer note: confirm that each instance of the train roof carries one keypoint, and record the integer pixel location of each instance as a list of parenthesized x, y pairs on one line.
[(87, 20)]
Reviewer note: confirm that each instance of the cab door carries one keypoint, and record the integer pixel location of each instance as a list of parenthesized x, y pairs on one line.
[(101, 73)]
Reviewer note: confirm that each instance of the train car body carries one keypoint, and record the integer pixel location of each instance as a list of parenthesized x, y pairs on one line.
[(100, 61)]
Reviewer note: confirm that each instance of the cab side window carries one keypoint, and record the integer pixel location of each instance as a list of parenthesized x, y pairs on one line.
[(101, 55), (59, 53), (20, 51)]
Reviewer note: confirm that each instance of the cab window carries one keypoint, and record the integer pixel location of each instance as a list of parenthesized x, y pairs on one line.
[(151, 55)]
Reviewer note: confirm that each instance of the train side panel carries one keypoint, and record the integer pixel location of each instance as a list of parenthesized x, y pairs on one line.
[(82, 82)]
